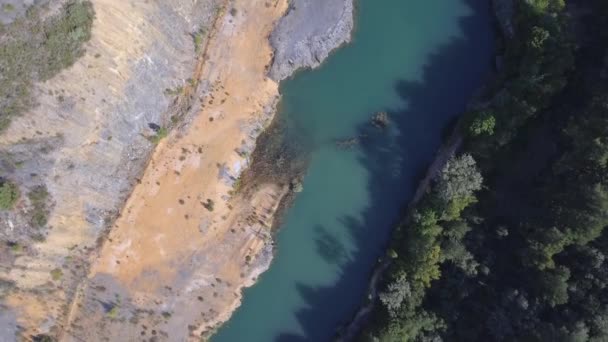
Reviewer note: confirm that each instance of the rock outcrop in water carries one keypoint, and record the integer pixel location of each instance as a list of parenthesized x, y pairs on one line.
[(309, 31)]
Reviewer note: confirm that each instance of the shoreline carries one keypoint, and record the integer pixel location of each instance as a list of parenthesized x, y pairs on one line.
[(106, 240), (226, 310), (448, 148), (287, 198)]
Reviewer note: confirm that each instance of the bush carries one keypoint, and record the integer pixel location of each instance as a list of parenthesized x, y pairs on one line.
[(38, 197), (65, 37), (197, 39), (209, 205), (56, 274), (113, 313), (9, 194), (8, 8), (15, 247), (43, 338), (162, 133)]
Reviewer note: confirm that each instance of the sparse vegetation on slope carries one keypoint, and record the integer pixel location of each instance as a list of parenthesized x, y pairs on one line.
[(39, 213), (33, 49), (9, 194)]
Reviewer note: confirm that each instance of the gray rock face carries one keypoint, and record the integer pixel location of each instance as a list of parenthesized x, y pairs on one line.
[(309, 31), (8, 326), (504, 10), (12, 9), (85, 141)]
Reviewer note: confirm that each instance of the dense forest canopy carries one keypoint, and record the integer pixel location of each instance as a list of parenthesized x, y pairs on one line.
[(509, 243)]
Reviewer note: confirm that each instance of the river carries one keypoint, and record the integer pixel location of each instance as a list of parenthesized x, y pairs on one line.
[(419, 61)]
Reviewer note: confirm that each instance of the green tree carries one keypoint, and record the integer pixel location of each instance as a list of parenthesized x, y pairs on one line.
[(455, 252), (483, 124), (459, 179), (554, 285), (395, 293)]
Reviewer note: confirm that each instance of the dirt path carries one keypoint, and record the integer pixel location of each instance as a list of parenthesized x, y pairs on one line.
[(185, 244)]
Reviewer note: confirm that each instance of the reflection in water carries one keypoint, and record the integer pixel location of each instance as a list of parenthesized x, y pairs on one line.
[(329, 247)]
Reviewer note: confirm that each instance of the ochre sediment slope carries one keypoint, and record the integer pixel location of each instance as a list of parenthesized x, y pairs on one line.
[(173, 262)]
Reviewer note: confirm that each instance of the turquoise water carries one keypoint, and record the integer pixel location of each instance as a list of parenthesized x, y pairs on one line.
[(418, 60)]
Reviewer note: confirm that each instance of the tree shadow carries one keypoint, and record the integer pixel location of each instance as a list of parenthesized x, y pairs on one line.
[(395, 158), (329, 247)]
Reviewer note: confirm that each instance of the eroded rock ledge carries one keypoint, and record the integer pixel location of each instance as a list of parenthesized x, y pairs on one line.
[(309, 31)]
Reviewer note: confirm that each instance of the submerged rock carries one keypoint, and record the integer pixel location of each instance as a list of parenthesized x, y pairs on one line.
[(380, 120), (296, 185), (347, 143)]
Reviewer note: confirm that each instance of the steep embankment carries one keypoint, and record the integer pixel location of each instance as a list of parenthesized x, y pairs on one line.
[(188, 240), (84, 141), (185, 241)]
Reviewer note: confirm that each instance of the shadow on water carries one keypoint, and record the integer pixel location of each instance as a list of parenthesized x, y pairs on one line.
[(329, 247), (394, 158)]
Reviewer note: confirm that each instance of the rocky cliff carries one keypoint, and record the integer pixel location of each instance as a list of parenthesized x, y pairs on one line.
[(84, 143), (309, 31), (122, 218)]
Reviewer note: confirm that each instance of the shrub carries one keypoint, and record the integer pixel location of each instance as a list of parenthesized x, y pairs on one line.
[(197, 38), (174, 91), (38, 197), (162, 133), (209, 205), (65, 37), (43, 338), (9, 194), (8, 8), (484, 123), (15, 247), (113, 313), (56, 274)]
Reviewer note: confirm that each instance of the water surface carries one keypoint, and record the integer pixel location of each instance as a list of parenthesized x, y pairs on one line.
[(418, 60)]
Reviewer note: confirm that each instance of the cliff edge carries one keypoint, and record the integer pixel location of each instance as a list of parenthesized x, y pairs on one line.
[(308, 32)]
